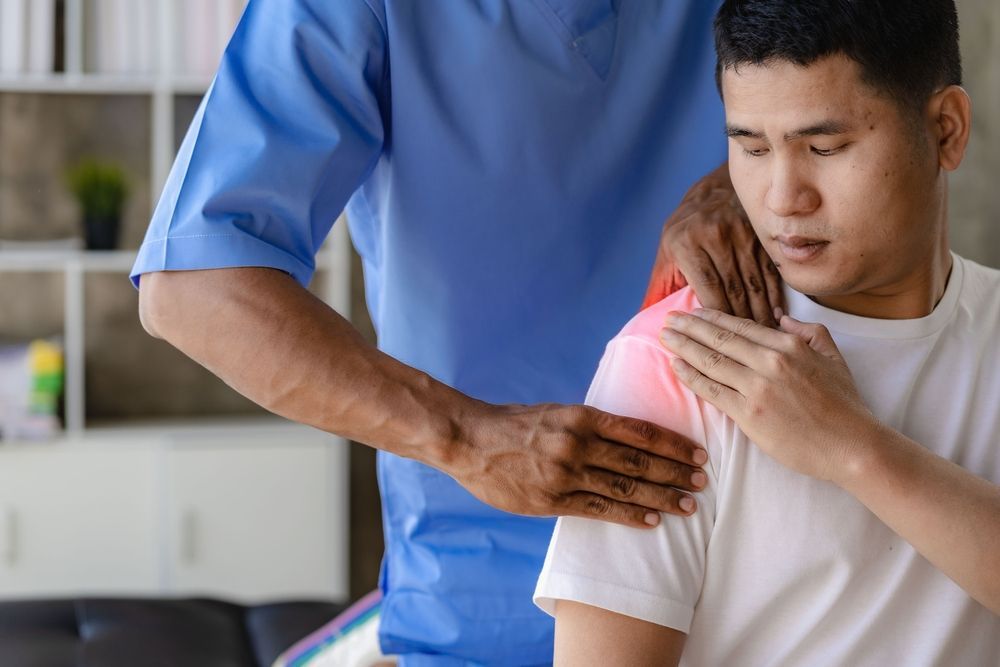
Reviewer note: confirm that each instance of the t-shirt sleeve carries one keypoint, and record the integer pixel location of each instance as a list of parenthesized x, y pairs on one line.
[(654, 575), (289, 129)]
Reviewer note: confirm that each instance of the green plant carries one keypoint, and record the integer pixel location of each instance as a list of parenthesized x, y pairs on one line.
[(100, 187)]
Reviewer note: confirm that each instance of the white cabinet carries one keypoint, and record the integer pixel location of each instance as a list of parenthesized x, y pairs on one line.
[(246, 513), (259, 523), (76, 521)]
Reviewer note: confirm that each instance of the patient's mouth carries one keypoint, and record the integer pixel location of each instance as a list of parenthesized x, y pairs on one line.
[(800, 248)]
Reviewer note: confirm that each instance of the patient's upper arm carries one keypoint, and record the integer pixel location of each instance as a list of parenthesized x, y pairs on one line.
[(588, 635)]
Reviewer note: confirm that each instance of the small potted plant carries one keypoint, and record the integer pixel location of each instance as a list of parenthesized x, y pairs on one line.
[(101, 189)]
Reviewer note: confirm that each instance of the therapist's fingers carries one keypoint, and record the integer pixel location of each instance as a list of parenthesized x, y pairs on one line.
[(703, 276), (772, 280), (730, 276), (761, 309), (643, 437), (576, 460), (627, 489), (627, 461), (595, 506)]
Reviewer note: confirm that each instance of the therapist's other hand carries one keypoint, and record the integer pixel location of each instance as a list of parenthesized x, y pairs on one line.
[(708, 243), (576, 460), (790, 390)]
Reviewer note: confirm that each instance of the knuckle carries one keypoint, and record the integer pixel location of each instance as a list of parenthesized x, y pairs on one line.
[(754, 286), (636, 461), (643, 430), (567, 449), (713, 360), (722, 337), (708, 277), (598, 505), (676, 474), (734, 288), (714, 389), (744, 327), (559, 476), (773, 360), (624, 487), (797, 346), (578, 414)]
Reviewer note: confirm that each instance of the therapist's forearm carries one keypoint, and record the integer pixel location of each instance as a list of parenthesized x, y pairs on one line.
[(283, 348), (949, 515)]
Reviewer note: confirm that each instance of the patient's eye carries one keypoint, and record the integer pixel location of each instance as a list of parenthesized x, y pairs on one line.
[(754, 152), (826, 152)]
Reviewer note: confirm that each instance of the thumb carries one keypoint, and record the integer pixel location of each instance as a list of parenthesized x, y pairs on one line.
[(816, 335)]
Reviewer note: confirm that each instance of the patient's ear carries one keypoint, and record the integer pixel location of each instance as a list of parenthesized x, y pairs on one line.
[(950, 112)]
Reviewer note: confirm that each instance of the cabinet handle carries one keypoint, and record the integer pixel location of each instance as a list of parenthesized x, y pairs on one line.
[(10, 535), (189, 537)]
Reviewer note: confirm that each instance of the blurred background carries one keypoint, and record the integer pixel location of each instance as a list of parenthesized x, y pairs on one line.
[(124, 466)]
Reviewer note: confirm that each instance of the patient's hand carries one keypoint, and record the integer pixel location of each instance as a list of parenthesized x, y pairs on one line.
[(708, 243), (789, 390)]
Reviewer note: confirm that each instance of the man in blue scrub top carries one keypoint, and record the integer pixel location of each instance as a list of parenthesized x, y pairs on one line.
[(506, 167)]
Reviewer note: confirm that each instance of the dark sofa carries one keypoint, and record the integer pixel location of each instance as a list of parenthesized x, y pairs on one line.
[(96, 632)]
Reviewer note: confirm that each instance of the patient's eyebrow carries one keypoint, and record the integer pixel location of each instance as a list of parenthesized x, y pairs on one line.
[(737, 131), (826, 128)]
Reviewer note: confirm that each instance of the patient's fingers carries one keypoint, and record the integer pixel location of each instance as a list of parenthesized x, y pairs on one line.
[(723, 362), (716, 393)]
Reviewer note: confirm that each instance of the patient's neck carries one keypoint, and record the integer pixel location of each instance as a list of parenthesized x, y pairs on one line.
[(913, 296)]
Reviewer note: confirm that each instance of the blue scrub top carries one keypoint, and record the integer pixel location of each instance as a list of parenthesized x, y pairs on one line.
[(507, 166)]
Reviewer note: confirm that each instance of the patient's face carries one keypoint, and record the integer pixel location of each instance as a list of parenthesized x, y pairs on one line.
[(844, 192)]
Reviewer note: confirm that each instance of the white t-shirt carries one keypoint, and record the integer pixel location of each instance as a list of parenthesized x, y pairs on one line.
[(777, 568)]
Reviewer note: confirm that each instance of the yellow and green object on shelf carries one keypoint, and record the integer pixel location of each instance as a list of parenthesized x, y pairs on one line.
[(31, 383), (45, 363)]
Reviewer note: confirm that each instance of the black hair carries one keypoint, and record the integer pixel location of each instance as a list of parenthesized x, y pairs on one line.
[(906, 50)]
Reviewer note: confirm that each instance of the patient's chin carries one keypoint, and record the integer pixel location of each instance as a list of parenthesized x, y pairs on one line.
[(815, 283)]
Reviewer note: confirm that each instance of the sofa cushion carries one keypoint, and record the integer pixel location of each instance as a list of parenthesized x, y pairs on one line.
[(158, 633)]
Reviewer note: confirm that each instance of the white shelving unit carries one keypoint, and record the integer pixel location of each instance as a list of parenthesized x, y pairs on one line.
[(334, 259), (163, 85)]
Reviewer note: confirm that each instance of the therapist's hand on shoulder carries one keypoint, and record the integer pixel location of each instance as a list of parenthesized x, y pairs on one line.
[(708, 243), (575, 460)]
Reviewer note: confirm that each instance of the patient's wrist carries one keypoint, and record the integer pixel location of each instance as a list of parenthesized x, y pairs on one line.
[(865, 459)]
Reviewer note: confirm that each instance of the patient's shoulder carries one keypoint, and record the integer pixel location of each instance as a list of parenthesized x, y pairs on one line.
[(647, 324)]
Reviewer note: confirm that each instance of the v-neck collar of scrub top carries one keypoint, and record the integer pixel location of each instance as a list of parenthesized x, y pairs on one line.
[(589, 27)]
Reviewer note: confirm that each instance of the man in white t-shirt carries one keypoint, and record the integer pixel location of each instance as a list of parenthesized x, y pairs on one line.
[(852, 517)]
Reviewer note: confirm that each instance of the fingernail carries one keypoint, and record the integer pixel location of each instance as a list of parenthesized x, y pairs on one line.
[(778, 314), (687, 504), (669, 336), (698, 479), (651, 518), (700, 456)]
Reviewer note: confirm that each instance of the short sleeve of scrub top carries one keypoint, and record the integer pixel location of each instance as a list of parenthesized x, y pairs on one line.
[(288, 130)]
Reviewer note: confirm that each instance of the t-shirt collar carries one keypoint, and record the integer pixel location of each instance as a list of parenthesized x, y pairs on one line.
[(801, 307)]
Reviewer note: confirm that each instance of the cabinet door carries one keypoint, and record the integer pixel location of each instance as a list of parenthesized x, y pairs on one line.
[(257, 517), (78, 519)]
